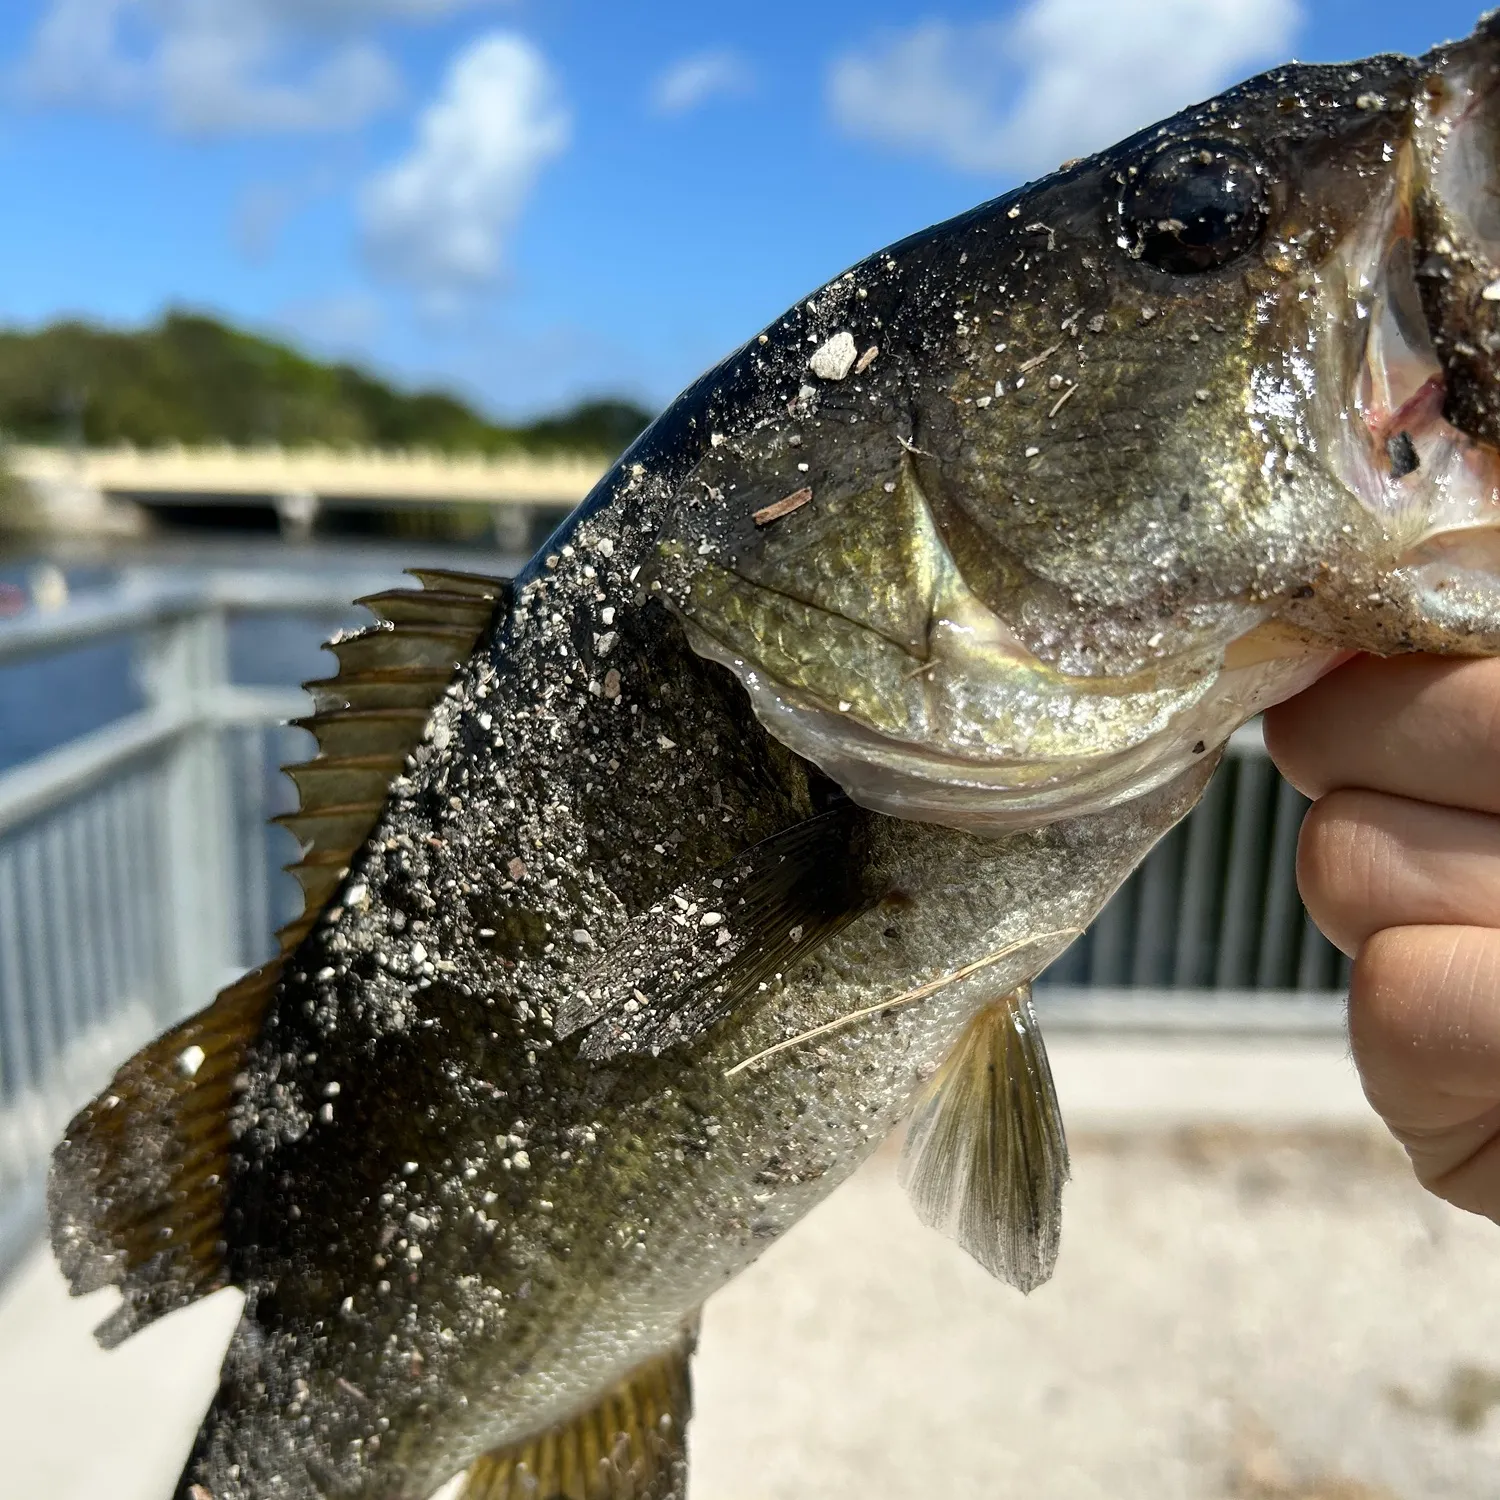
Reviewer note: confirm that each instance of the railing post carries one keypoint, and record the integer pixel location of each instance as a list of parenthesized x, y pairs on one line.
[(184, 668)]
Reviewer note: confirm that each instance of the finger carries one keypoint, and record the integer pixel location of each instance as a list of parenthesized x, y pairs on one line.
[(1367, 860), (1420, 726), (1424, 1021)]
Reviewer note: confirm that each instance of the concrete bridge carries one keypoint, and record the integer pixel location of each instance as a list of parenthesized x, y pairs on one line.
[(512, 496)]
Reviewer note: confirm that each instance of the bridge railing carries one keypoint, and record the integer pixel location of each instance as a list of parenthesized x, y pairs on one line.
[(137, 874), (136, 871), (1212, 913)]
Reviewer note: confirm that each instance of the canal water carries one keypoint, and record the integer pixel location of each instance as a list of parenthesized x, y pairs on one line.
[(47, 701)]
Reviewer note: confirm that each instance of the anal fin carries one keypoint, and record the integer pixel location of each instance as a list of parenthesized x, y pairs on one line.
[(985, 1158), (631, 1444)]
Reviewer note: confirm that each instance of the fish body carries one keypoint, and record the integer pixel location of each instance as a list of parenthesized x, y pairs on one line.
[(647, 894)]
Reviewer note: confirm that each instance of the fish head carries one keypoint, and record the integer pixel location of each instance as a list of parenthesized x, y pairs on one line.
[(1022, 516)]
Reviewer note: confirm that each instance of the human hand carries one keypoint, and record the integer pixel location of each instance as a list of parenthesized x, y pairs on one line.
[(1399, 863)]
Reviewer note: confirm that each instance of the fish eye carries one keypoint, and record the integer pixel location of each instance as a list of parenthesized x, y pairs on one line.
[(1195, 206)]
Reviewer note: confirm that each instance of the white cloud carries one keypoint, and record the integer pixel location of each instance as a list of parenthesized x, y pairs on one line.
[(439, 217), (341, 325), (697, 79), (218, 66), (1058, 79), (221, 77), (74, 55)]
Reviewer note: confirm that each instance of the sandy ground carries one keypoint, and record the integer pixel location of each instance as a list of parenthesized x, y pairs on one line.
[(1253, 1303)]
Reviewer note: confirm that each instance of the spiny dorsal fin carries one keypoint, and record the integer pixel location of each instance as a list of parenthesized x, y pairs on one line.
[(436, 649), (631, 1444), (434, 607), (450, 581), (136, 1191), (985, 1157), (345, 779), (367, 731), (406, 687), (371, 715)]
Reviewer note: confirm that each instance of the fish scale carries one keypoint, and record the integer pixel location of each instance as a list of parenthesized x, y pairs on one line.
[(646, 895)]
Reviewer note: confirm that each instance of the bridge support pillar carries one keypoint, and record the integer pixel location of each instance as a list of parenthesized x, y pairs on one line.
[(297, 514), (511, 525)]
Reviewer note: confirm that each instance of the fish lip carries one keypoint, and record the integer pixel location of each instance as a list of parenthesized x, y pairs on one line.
[(1417, 410), (1401, 391)]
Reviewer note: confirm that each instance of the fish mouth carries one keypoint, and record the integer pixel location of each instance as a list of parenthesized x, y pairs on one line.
[(1434, 485), (1425, 463)]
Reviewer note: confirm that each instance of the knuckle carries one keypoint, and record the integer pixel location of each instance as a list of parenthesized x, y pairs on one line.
[(1387, 989), (1338, 861)]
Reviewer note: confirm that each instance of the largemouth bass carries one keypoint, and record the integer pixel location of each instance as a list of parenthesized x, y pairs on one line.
[(646, 895)]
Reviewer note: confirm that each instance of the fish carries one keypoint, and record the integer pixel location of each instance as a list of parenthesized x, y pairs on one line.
[(647, 892)]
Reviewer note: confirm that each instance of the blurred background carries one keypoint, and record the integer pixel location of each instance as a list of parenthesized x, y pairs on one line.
[(295, 294)]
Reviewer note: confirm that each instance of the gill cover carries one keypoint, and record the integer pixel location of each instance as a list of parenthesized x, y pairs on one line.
[(1030, 511), (864, 650)]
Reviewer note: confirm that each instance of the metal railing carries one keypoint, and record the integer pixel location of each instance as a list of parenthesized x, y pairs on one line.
[(1213, 912), (138, 874)]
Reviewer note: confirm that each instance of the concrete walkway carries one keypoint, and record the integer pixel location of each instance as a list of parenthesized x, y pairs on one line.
[(1253, 1303)]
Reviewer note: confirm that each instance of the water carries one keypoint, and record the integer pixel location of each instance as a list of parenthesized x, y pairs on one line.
[(49, 700)]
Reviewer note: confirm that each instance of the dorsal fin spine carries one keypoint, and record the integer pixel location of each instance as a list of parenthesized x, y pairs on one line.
[(137, 1190), (428, 626)]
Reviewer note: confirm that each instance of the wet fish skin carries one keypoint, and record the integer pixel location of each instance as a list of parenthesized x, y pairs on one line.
[(1046, 636), (662, 1177)]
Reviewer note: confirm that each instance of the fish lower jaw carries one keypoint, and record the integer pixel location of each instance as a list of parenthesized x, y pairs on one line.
[(925, 784)]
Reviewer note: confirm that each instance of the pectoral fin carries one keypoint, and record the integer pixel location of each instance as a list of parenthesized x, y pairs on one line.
[(985, 1157), (631, 1444), (689, 961)]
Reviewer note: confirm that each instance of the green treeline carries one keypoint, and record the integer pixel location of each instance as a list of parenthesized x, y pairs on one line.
[(191, 379)]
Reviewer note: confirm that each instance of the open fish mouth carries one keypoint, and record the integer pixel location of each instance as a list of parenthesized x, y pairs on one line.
[(1436, 485), (1429, 392), (922, 619)]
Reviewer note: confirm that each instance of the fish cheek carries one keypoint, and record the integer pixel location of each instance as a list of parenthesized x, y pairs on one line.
[(1060, 426), (832, 600), (1109, 527)]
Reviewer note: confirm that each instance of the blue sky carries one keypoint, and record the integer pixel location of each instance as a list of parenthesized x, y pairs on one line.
[(531, 201)]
